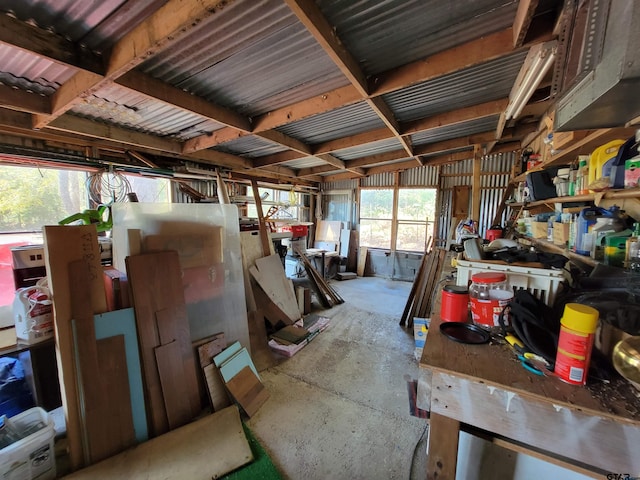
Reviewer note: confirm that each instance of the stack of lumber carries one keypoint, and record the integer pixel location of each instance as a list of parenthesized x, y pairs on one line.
[(420, 299), (326, 294)]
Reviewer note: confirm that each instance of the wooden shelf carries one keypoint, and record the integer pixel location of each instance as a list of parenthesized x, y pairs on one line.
[(552, 247), (589, 197), (587, 144)]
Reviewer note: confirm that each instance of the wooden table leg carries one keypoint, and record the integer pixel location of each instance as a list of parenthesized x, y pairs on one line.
[(442, 453)]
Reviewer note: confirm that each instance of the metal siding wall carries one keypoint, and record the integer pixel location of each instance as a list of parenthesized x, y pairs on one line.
[(340, 185), (493, 184), (205, 187), (378, 180), (420, 177)]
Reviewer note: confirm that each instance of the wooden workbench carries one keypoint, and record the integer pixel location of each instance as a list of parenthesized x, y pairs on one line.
[(485, 390)]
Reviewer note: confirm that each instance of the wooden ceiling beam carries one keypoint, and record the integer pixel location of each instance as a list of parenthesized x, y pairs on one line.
[(128, 137), (340, 97), (453, 144), (44, 43), (466, 114), (155, 89), (312, 18), (276, 158), (451, 60), (353, 140), (202, 142), (378, 158), (522, 21), (23, 101), (311, 171)]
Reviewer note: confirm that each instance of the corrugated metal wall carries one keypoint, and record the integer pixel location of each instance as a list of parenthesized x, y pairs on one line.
[(495, 175)]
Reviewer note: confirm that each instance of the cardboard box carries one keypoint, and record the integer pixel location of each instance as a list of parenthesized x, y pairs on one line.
[(561, 233), (539, 229)]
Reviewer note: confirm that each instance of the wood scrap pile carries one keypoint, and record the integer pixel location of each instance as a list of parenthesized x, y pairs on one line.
[(131, 374), (276, 322), (420, 299), (325, 293)]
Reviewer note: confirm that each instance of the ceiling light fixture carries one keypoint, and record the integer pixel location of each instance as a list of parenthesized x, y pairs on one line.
[(535, 67)]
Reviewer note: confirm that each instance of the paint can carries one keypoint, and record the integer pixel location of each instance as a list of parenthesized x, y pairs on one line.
[(455, 303), (575, 343)]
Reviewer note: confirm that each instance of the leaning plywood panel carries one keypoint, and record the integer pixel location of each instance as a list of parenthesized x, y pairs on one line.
[(213, 282), (205, 449), (63, 245), (155, 286), (269, 273)]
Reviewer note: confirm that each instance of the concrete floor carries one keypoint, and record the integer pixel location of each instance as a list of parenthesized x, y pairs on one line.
[(339, 408)]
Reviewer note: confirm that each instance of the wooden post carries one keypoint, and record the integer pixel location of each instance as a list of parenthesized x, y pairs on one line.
[(264, 236), (442, 455), (476, 186), (394, 211)]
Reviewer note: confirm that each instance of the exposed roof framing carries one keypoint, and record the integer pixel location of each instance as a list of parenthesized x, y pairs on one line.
[(290, 91)]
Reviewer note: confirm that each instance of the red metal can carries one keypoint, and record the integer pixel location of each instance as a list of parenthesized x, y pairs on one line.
[(455, 304)]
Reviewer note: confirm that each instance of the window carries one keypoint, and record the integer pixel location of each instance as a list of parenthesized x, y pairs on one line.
[(376, 217), (415, 207), (412, 219), (280, 204), (32, 197)]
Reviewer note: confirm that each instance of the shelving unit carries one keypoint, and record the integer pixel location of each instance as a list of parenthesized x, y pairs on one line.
[(552, 247)]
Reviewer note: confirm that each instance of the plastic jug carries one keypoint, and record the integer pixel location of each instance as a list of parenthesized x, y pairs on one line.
[(599, 159), (584, 224)]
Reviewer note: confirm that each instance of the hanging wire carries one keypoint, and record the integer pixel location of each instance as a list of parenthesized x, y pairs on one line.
[(108, 187)]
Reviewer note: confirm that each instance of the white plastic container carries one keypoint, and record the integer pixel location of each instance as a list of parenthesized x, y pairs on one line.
[(542, 283), (33, 457), (33, 313)]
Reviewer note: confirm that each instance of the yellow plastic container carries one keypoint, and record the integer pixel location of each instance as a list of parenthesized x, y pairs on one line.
[(600, 156), (577, 330)]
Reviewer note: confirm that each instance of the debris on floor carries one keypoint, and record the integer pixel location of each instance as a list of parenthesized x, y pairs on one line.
[(290, 339)]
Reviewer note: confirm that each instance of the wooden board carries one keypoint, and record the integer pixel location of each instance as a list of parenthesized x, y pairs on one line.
[(174, 391), (443, 448), (362, 261), (248, 391), (97, 443), (187, 452), (156, 285), (269, 273), (235, 364), (193, 250), (123, 322), (211, 347), (227, 353), (261, 354), (64, 244), (215, 388), (112, 360), (172, 324)]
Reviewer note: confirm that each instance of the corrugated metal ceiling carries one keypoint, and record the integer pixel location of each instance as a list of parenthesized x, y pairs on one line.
[(338, 123), (371, 31), (462, 129), (481, 83), (250, 58), (256, 56), (251, 146), (373, 148)]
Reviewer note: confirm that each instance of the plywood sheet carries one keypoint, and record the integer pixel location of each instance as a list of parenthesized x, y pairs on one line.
[(248, 391), (235, 364), (113, 370), (209, 348), (269, 273), (123, 322), (195, 250), (174, 391), (187, 452), (362, 261), (62, 245), (156, 285), (215, 388)]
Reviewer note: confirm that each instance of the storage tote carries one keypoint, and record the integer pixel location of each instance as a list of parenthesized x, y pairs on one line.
[(32, 457)]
